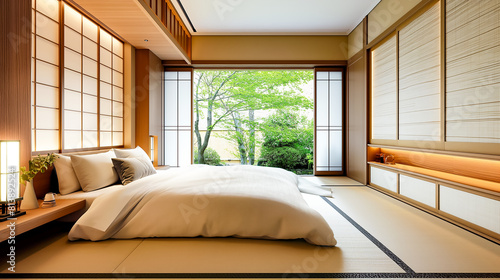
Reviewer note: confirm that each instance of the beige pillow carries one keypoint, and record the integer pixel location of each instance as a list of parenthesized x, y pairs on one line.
[(95, 171), (66, 177), (137, 153)]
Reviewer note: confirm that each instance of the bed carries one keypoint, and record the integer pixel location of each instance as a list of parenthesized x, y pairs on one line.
[(201, 200)]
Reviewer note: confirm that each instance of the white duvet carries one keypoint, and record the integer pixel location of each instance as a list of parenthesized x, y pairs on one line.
[(200, 200)]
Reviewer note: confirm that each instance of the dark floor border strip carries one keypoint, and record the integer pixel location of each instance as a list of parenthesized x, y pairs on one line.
[(375, 241), (243, 275), (433, 214)]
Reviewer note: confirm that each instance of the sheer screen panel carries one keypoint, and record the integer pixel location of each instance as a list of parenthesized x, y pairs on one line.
[(178, 114), (472, 71), (80, 81), (329, 120), (419, 78), (45, 103), (111, 90), (384, 91)]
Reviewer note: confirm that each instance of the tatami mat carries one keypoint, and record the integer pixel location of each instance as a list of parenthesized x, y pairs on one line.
[(378, 237), (328, 181), (424, 242)]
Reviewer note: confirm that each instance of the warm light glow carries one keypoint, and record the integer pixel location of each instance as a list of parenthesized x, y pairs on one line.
[(479, 172), (9, 170)]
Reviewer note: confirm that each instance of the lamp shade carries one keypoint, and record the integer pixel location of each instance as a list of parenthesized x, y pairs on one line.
[(9, 170)]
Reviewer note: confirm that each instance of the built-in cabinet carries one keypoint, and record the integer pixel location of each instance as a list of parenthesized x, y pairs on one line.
[(469, 206)]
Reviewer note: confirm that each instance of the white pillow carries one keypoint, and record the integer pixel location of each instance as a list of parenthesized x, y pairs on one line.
[(137, 153), (66, 177), (95, 171)]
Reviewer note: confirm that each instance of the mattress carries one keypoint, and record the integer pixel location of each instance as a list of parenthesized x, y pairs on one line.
[(89, 199)]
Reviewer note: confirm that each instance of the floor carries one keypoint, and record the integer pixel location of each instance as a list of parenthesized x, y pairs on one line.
[(378, 237)]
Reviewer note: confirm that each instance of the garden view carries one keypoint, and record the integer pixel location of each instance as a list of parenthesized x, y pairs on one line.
[(254, 117)]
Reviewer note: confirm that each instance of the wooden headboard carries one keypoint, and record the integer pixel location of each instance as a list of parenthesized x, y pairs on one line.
[(42, 181)]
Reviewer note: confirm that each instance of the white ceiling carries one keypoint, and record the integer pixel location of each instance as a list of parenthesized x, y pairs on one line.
[(274, 17)]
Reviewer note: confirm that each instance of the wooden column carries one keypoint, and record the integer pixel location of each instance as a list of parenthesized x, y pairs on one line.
[(15, 74), (142, 71), (148, 98)]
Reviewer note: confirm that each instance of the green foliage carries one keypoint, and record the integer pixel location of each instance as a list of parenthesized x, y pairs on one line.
[(211, 157), (39, 164), (285, 157), (221, 97), (288, 141)]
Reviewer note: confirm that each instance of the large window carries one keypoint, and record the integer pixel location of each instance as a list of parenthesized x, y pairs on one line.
[(77, 92), (255, 117)]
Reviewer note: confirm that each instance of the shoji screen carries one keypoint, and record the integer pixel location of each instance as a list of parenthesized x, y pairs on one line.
[(178, 113), (111, 90), (80, 106), (45, 76), (384, 91), (419, 78), (85, 107), (472, 71), (329, 121)]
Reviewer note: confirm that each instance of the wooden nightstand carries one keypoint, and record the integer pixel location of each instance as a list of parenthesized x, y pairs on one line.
[(37, 217)]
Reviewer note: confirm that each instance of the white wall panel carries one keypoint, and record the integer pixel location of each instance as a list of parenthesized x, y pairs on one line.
[(47, 50), (482, 211), (49, 8), (384, 178), (90, 29), (72, 100), (47, 28), (419, 190), (90, 48), (47, 73), (72, 39)]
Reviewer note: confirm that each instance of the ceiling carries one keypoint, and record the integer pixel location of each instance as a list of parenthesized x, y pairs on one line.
[(134, 22), (131, 21), (273, 17)]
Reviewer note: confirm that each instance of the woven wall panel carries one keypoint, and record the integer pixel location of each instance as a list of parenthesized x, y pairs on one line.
[(473, 71), (419, 78), (384, 91)]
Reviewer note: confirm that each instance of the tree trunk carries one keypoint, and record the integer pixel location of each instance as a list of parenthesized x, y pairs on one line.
[(240, 137), (251, 138)]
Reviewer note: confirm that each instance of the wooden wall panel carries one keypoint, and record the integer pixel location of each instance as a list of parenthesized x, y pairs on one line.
[(155, 100), (357, 120), (142, 72), (355, 41), (385, 14), (473, 71), (419, 78), (15, 74), (129, 96), (385, 91), (148, 91)]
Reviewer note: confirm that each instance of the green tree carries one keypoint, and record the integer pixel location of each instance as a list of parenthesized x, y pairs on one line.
[(288, 141), (225, 95)]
